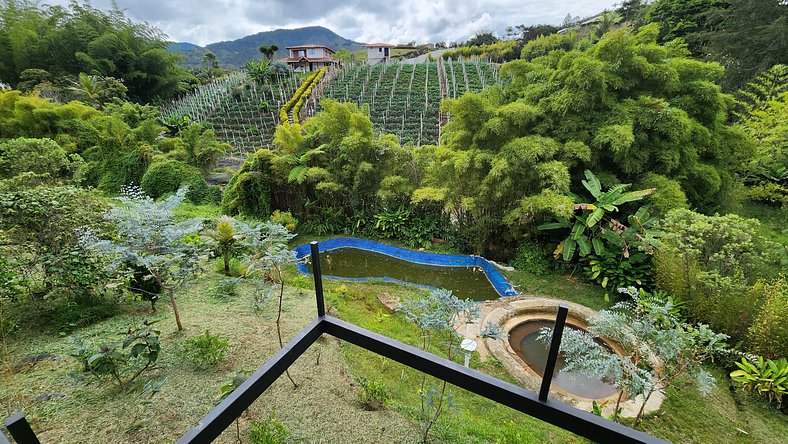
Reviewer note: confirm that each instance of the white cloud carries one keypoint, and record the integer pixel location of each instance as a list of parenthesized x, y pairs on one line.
[(203, 21)]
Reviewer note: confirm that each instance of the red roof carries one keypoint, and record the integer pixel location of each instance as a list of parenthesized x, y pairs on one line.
[(310, 46), (307, 59)]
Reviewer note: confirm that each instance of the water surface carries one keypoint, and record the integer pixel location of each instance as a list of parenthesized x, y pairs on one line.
[(354, 263), (524, 340)]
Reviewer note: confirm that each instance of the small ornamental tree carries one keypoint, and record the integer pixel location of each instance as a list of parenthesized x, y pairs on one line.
[(436, 316), (660, 348), (148, 236), (227, 236)]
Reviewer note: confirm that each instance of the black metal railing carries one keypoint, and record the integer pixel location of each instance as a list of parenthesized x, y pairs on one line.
[(539, 406)]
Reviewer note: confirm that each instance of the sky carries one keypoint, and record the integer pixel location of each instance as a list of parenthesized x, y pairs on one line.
[(390, 21)]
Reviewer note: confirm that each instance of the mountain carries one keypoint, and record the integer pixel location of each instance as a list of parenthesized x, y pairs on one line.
[(181, 46), (236, 52)]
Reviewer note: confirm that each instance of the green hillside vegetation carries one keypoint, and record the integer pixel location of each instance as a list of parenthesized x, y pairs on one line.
[(47, 47)]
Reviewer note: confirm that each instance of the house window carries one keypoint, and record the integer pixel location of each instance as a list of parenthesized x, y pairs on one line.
[(380, 49)]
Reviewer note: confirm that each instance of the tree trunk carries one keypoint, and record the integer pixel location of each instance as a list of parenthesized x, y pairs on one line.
[(638, 418), (226, 257), (279, 321), (171, 292)]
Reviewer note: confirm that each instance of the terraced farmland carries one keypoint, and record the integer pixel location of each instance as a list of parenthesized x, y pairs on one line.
[(243, 113), (404, 99)]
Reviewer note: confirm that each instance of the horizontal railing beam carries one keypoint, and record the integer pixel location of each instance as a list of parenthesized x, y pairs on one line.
[(218, 419), (553, 412)]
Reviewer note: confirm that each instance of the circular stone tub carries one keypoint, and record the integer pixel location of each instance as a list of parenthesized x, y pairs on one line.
[(523, 316)]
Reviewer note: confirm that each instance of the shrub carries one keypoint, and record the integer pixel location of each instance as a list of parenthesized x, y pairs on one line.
[(249, 191), (225, 289), (765, 377), (206, 350), (668, 194), (40, 229), (145, 285), (286, 219), (713, 262), (169, 176), (124, 360), (531, 258), (269, 431), (372, 395), (768, 334), (39, 156), (73, 314), (611, 270)]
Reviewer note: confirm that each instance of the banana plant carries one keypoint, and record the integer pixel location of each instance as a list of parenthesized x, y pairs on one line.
[(588, 232)]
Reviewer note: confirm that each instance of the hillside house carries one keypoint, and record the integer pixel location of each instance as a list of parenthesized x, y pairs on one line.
[(307, 58), (378, 53)]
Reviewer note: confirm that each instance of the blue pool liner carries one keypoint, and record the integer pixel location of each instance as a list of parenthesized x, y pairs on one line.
[(502, 285)]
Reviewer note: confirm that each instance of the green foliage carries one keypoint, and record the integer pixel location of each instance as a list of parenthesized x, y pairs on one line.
[(531, 257), (763, 105), (145, 285), (171, 175), (149, 236), (249, 191), (82, 39), (497, 52), (541, 46), (293, 106), (712, 263), (286, 219), (71, 313), (124, 360), (372, 395), (768, 334), (97, 91), (201, 147), (227, 236), (38, 156), (747, 38), (667, 194), (612, 270), (643, 324), (269, 431), (688, 20), (612, 253), (206, 350), (117, 145), (40, 241), (766, 377), (225, 289)]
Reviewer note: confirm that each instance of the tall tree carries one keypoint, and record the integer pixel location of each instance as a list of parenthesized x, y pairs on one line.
[(751, 36), (79, 38), (268, 51), (687, 19)]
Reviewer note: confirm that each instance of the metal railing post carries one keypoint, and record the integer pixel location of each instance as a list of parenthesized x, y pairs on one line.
[(555, 346), (20, 429), (321, 305)]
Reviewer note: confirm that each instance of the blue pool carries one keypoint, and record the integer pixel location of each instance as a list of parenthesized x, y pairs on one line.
[(471, 277)]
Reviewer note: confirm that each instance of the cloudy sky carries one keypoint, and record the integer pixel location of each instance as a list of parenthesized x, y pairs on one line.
[(209, 21)]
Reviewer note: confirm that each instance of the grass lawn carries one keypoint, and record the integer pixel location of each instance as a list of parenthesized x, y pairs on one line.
[(325, 407)]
